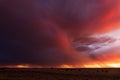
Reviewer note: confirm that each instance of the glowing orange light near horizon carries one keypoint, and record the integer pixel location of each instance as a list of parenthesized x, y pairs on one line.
[(66, 66), (109, 63), (23, 66)]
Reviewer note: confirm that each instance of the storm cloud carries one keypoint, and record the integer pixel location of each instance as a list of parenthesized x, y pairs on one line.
[(40, 32)]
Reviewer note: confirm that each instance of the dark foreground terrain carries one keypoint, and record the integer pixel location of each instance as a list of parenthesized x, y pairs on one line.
[(59, 74)]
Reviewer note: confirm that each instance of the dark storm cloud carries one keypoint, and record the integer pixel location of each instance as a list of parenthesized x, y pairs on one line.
[(40, 31), (80, 17)]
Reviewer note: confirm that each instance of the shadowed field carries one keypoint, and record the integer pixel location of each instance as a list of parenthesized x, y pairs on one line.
[(59, 74)]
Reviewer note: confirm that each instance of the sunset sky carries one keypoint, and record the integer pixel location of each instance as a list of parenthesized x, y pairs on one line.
[(60, 33)]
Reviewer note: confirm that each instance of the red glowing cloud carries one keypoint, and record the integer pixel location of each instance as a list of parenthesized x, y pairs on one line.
[(42, 32)]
